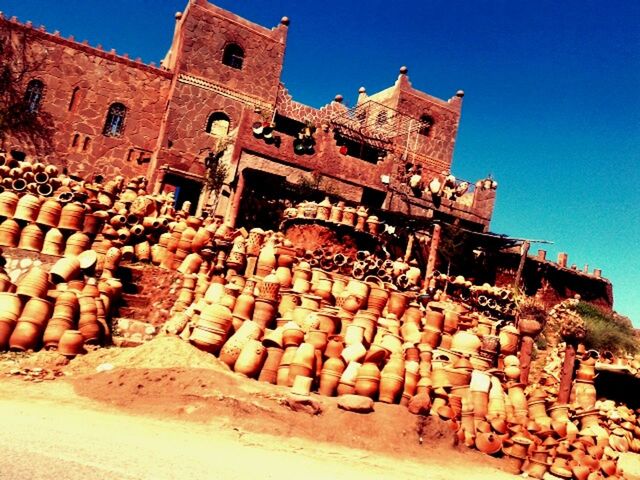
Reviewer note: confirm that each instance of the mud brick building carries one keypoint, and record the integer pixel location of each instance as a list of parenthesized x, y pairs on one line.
[(218, 94)]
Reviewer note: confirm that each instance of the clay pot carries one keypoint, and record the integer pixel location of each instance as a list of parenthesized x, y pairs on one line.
[(266, 260), (269, 288), (9, 233), (71, 343), (488, 443), (8, 203), (264, 312), (292, 335), (431, 337), (76, 244), (368, 380), (53, 243), (251, 358), (509, 338), (27, 208), (348, 379), (207, 339), (72, 217), (54, 331), (49, 214), (269, 372), (6, 329), (465, 342), (25, 336), (65, 270), (10, 307), (377, 300), (244, 305), (285, 364), (34, 283), (190, 264), (303, 362), (112, 258), (317, 338), (397, 304), (36, 311), (330, 376), (391, 383), (434, 319)]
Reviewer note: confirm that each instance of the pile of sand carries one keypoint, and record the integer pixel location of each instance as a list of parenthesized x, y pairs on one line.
[(161, 352)]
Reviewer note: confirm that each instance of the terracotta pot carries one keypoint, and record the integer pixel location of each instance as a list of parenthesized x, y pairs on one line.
[(6, 329), (269, 288), (76, 244), (112, 258), (66, 306), (431, 337), (37, 311), (488, 443), (397, 304), (251, 358), (391, 386), (71, 343), (49, 214), (303, 362), (368, 380), (53, 243), (207, 339), (72, 217), (292, 335), (201, 239), (27, 208), (8, 203), (92, 224), (317, 338), (65, 270), (34, 283), (190, 264), (509, 338), (10, 307), (377, 300), (244, 306), (465, 342), (434, 319), (264, 312), (266, 260), (25, 336), (285, 364), (269, 372), (9, 233), (54, 331)]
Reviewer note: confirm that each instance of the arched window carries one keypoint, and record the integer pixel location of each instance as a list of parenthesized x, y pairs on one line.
[(426, 122), (218, 124), (233, 56), (33, 95), (114, 124), (381, 119)]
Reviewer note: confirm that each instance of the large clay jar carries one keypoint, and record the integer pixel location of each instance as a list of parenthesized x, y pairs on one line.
[(368, 380), (465, 342), (27, 208), (266, 260), (37, 311), (10, 307), (251, 358), (31, 238), (269, 372), (378, 297), (244, 305), (25, 336), (201, 239), (434, 319), (303, 362), (54, 331), (76, 244), (282, 377), (9, 233), (34, 283), (347, 384), (65, 270), (71, 343), (269, 288), (49, 214), (397, 303), (72, 217), (8, 203), (330, 375), (88, 322), (264, 312), (53, 243)]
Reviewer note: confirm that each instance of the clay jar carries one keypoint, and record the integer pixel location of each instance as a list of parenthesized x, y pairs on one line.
[(266, 260), (251, 358), (269, 288), (264, 312), (368, 380), (434, 319), (392, 380), (330, 376), (348, 379), (397, 304), (35, 283), (292, 334), (27, 208), (76, 244), (465, 342), (72, 217), (303, 362), (65, 270), (25, 336), (9, 233), (378, 297), (269, 372), (8, 202), (31, 238), (244, 306), (53, 243), (49, 214), (509, 338), (488, 443)]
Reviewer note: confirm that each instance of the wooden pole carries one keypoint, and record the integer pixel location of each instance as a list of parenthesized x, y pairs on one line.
[(433, 254), (524, 250), (407, 253)]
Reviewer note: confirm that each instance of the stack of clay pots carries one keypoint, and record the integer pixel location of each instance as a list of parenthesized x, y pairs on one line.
[(356, 217), (63, 308), (277, 319), (36, 178)]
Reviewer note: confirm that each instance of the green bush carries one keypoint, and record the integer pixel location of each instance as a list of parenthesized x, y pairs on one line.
[(605, 331)]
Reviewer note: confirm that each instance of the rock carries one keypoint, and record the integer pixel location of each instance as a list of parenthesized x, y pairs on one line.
[(299, 403), (355, 403), (420, 404)]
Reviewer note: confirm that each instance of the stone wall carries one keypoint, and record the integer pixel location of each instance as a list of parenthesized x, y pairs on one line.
[(81, 82)]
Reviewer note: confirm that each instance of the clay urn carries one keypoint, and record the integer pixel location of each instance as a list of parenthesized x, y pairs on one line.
[(368, 380), (292, 334), (72, 217), (34, 283), (392, 381), (269, 288), (269, 371), (9, 233), (465, 342), (303, 362), (266, 260), (435, 319), (65, 269), (8, 203), (509, 338), (27, 208), (251, 358), (332, 370), (488, 443)]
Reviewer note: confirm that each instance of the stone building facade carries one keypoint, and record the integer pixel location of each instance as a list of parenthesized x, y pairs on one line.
[(218, 94)]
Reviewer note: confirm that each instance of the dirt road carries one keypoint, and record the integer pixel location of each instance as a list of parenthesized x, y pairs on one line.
[(51, 433)]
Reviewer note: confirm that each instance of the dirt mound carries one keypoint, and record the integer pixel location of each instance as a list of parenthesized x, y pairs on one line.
[(161, 352)]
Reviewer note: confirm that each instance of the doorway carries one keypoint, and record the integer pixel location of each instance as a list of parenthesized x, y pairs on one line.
[(184, 190)]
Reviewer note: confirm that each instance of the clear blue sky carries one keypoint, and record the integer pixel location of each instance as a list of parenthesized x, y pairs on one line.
[(552, 108)]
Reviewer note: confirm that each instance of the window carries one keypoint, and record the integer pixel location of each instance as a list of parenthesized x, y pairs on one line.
[(73, 100), (218, 124), (33, 95), (233, 56), (86, 143), (381, 119), (76, 138), (114, 123), (426, 124)]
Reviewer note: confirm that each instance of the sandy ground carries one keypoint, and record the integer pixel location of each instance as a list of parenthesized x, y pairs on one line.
[(150, 417)]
